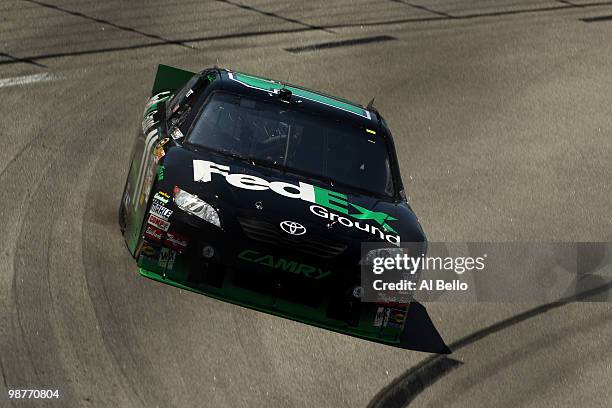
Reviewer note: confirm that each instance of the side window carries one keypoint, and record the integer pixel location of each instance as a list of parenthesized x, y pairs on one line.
[(180, 109), (390, 187), (179, 97)]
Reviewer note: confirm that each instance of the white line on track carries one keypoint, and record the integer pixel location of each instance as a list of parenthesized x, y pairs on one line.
[(28, 79)]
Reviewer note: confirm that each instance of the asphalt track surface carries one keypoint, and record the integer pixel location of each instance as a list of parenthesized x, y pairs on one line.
[(502, 118)]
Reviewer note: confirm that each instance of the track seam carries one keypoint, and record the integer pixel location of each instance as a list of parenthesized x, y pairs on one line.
[(563, 6)]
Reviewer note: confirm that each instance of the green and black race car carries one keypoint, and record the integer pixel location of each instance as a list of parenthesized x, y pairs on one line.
[(260, 193)]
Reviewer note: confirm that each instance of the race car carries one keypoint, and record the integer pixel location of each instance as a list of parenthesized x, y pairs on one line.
[(260, 193)]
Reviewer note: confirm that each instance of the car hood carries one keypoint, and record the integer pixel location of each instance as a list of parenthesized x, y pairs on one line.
[(270, 195)]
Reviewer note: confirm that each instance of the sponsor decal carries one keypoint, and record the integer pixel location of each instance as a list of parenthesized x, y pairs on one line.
[(176, 241), (158, 222), (163, 197), (153, 233), (160, 173), (158, 202), (395, 318), (283, 264), (158, 151), (149, 251), (160, 211), (323, 212), (379, 317), (176, 134), (166, 258), (350, 215)]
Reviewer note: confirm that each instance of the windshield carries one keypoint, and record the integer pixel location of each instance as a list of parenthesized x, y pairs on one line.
[(293, 140)]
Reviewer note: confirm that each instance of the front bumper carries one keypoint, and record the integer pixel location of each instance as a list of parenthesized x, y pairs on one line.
[(285, 283)]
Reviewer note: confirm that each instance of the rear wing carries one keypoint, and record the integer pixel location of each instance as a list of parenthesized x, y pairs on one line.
[(170, 79)]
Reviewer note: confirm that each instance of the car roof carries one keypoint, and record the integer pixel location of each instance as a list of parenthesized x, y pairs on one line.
[(302, 98)]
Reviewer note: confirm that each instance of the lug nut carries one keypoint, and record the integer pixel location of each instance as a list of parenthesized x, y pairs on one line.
[(208, 251)]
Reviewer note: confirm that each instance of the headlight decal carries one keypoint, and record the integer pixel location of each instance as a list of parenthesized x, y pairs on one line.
[(195, 206)]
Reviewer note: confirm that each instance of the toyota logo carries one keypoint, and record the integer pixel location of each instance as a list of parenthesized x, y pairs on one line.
[(293, 228)]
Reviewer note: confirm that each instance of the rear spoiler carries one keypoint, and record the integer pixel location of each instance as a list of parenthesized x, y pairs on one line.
[(170, 79), (419, 332)]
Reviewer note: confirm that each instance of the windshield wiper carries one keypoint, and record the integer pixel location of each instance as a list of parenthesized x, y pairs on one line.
[(316, 177), (312, 176), (332, 182), (231, 153), (224, 152), (266, 163)]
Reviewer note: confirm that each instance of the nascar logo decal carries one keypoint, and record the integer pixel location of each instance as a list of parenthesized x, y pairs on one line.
[(322, 199)]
